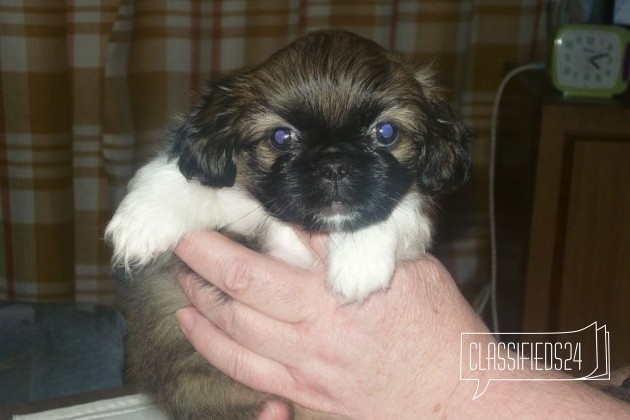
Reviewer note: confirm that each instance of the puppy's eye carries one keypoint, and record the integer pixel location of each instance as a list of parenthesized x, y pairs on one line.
[(281, 138), (386, 133)]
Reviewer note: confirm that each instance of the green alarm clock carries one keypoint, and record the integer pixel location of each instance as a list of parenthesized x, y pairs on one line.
[(590, 60)]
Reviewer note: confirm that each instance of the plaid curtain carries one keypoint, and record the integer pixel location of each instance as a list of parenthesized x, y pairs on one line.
[(89, 87)]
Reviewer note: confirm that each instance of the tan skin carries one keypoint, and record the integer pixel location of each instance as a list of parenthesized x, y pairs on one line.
[(395, 355)]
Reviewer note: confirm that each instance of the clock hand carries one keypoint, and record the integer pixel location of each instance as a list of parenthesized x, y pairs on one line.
[(593, 60), (600, 56)]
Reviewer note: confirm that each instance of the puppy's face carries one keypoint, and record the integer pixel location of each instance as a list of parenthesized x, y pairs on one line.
[(329, 133)]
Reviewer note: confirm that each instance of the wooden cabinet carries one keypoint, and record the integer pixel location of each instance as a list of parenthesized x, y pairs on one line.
[(579, 252)]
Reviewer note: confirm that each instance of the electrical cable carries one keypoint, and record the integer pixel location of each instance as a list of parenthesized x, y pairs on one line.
[(491, 199)]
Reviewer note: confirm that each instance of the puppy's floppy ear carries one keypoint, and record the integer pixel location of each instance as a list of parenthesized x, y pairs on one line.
[(445, 157), (205, 142)]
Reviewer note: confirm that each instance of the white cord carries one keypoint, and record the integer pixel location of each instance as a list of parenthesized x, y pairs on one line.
[(491, 166)]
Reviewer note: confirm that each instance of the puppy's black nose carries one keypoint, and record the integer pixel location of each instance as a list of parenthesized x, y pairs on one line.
[(334, 171)]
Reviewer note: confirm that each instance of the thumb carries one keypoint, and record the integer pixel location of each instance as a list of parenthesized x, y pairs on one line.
[(316, 242)]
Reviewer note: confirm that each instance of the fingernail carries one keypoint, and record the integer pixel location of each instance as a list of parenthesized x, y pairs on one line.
[(275, 410), (186, 319)]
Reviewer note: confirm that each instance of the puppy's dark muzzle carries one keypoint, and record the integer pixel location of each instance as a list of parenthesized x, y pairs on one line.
[(334, 171), (334, 163)]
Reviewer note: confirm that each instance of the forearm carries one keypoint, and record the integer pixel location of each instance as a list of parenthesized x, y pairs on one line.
[(525, 391), (555, 397), (517, 393)]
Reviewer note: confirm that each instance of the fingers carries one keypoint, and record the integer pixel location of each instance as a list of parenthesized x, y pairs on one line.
[(231, 358), (241, 323), (256, 280), (256, 371)]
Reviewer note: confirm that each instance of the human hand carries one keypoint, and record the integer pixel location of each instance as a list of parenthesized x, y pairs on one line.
[(396, 355)]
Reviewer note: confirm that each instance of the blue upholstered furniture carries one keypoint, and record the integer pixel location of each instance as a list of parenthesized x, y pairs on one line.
[(53, 349)]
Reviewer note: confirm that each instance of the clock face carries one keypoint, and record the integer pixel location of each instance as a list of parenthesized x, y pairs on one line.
[(589, 59)]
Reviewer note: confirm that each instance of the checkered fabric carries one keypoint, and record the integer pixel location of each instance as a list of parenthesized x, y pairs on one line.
[(89, 87)]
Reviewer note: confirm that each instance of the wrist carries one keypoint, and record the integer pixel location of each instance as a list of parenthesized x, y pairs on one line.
[(516, 385), (430, 379)]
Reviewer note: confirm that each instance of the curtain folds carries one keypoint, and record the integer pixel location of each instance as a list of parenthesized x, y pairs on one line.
[(90, 87)]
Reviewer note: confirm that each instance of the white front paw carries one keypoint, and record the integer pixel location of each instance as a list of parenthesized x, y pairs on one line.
[(138, 238), (160, 208), (354, 280), (360, 263)]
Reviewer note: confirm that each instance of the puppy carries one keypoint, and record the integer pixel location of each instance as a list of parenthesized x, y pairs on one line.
[(332, 134)]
